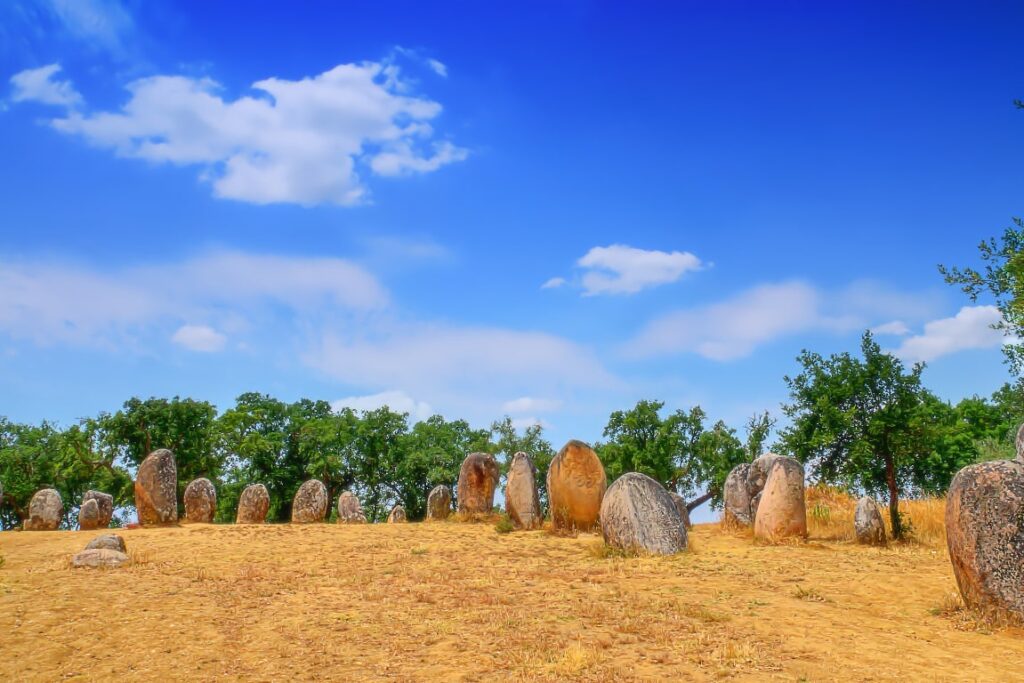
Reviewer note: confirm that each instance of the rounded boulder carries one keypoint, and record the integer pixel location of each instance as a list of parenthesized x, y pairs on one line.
[(439, 503), (638, 515), (576, 485), (156, 489), (868, 525), (108, 541), (684, 512), (200, 501), (478, 478), (397, 515), (253, 505), (985, 535), (522, 502), (89, 515), (736, 497), (45, 511), (100, 558), (781, 512), (349, 509)]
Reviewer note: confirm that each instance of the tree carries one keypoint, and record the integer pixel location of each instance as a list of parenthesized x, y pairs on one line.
[(1003, 279), (380, 447), (432, 454), (853, 421)]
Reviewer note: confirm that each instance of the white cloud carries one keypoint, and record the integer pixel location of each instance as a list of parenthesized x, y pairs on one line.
[(439, 68), (970, 328), (553, 283), (735, 327), (303, 141), (199, 338), (396, 400), (895, 328), (529, 404), (466, 361), (39, 85), (620, 269), (49, 302), (521, 423), (101, 23)]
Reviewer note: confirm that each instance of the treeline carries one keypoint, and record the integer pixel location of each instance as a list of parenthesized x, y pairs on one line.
[(865, 424)]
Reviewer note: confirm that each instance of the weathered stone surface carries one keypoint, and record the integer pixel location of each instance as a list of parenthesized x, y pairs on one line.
[(253, 505), (349, 509), (89, 515), (637, 514), (105, 503), (200, 501), (522, 502), (985, 535), (1019, 442), (100, 558), (868, 524), (684, 512), (45, 511), (108, 541), (782, 512), (737, 499), (576, 484), (156, 489), (397, 515), (310, 503), (439, 503), (478, 477)]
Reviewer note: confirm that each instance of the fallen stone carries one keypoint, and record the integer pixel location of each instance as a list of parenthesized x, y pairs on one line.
[(45, 511), (985, 535), (100, 558), (439, 503), (156, 489), (200, 501), (638, 515), (576, 485), (109, 542), (868, 525), (253, 505), (310, 503), (522, 502), (478, 478)]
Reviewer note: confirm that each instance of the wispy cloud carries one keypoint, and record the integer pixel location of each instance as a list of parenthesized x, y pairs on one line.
[(41, 85), (621, 269), (530, 404), (395, 399), (200, 338), (306, 141)]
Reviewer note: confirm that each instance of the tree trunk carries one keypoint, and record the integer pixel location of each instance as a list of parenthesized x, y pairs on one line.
[(696, 503), (894, 500)]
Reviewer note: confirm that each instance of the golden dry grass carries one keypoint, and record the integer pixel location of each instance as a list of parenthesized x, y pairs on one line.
[(830, 517), (461, 602)]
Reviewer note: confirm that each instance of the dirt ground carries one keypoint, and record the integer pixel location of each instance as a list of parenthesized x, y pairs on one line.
[(460, 602)]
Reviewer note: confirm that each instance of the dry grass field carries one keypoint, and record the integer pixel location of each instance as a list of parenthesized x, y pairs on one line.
[(460, 602)]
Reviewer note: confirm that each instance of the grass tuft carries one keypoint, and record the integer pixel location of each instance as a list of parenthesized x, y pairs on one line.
[(504, 525)]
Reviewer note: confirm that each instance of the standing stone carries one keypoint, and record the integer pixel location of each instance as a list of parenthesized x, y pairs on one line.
[(478, 477), (637, 514), (522, 501), (89, 515), (757, 479), (200, 501), (156, 489), (349, 509), (1019, 444), (310, 503), (105, 503), (867, 522), (439, 503), (782, 512), (985, 535), (576, 485), (737, 499), (45, 511), (253, 505), (397, 515), (684, 512)]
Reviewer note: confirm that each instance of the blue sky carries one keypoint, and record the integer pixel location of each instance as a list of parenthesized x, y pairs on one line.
[(548, 210)]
